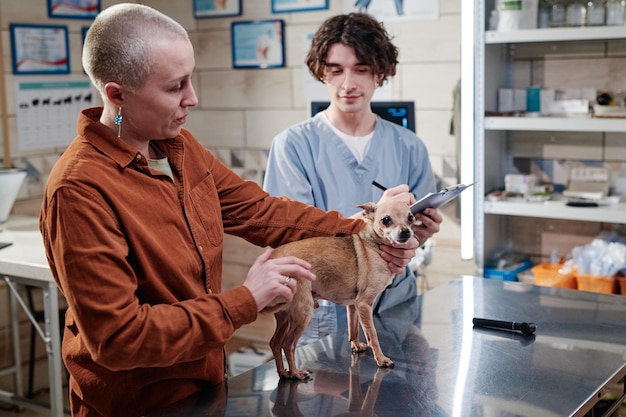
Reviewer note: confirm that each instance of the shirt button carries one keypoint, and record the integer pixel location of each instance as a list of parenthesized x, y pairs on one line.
[(200, 248), (138, 157)]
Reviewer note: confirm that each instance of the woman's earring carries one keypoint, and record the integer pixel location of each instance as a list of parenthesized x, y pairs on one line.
[(118, 122)]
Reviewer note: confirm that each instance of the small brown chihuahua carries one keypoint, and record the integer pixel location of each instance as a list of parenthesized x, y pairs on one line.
[(350, 272)]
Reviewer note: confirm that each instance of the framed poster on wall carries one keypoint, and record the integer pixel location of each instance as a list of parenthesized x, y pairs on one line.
[(284, 6), (39, 49), (216, 8), (258, 44), (73, 9)]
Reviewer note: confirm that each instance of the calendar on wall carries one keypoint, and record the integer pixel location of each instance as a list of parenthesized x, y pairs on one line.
[(47, 112)]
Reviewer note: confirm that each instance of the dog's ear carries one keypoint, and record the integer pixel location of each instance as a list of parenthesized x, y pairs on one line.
[(368, 209)]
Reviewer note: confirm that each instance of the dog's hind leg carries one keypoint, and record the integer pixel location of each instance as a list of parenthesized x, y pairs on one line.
[(299, 321), (353, 330), (277, 341), (367, 322)]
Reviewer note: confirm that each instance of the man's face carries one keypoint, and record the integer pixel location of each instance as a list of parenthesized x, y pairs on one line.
[(350, 83), (159, 109)]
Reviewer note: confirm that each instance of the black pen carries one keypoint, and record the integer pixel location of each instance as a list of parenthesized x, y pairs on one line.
[(377, 185), (524, 328)]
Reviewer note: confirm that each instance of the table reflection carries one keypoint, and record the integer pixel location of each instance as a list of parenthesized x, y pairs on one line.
[(344, 384), (446, 367), (209, 403)]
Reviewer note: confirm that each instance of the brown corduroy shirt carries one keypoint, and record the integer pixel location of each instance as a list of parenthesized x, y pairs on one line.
[(139, 259)]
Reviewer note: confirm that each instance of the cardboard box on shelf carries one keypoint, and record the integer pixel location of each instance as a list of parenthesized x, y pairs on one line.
[(588, 179), (520, 183)]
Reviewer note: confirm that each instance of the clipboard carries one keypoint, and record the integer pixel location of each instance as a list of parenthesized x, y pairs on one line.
[(436, 200)]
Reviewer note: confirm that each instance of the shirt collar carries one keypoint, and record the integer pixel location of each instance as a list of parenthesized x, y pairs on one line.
[(103, 139)]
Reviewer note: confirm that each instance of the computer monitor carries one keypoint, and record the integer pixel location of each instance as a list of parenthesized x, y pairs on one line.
[(398, 112)]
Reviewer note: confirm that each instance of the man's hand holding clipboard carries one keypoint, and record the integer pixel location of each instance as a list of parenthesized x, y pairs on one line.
[(436, 200), (427, 224)]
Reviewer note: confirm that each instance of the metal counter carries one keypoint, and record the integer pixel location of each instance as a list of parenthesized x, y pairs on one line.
[(446, 367)]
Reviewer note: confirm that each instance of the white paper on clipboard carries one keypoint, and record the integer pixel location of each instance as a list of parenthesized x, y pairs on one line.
[(436, 200)]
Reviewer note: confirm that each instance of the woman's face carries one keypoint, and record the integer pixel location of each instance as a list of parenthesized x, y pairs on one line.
[(160, 108)]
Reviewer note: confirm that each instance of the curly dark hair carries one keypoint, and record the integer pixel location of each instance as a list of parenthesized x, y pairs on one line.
[(365, 35)]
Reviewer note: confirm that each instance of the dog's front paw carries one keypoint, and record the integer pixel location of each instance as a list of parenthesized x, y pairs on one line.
[(298, 375), (384, 362), (358, 347)]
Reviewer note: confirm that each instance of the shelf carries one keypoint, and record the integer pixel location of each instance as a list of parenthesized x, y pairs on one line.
[(525, 57), (560, 124), (556, 34), (558, 210)]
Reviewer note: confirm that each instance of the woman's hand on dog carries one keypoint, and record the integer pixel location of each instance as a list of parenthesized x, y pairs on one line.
[(267, 278)]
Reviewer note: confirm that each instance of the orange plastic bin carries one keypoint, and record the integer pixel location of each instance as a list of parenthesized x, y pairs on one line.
[(597, 283), (555, 275)]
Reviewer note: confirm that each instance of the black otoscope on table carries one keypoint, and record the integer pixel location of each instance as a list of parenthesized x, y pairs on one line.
[(524, 328)]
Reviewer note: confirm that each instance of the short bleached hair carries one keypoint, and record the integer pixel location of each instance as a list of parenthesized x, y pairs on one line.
[(119, 42)]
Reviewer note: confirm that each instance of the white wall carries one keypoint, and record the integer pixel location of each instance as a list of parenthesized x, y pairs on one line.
[(241, 110)]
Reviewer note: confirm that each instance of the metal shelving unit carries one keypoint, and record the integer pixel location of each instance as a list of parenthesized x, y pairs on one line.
[(493, 134)]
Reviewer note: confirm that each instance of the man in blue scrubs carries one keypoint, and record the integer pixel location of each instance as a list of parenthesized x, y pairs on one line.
[(331, 160)]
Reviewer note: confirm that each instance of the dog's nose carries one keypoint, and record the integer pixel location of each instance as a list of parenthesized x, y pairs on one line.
[(405, 234)]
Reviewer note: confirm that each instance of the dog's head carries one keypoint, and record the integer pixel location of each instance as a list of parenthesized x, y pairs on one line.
[(389, 222)]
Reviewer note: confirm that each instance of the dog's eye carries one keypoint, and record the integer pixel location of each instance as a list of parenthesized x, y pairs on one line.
[(386, 221), (411, 219)]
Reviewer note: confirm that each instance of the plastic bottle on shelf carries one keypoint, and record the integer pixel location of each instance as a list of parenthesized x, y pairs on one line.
[(557, 13), (619, 98), (510, 14), (576, 14), (543, 14), (595, 13), (619, 183), (615, 12), (493, 20)]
